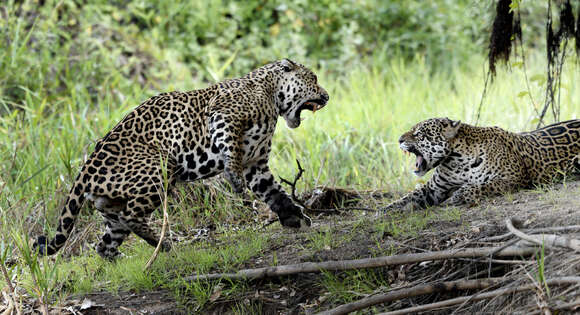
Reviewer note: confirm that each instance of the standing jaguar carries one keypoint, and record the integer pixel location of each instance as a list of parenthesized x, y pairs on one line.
[(471, 162), (226, 127)]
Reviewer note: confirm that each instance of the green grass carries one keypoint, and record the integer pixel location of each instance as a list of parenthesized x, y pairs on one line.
[(88, 272)]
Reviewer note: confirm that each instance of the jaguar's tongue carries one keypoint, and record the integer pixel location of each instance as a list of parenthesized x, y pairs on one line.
[(418, 162), (315, 106)]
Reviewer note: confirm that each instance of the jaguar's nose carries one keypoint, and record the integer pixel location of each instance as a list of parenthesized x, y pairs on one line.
[(324, 97), (401, 140)]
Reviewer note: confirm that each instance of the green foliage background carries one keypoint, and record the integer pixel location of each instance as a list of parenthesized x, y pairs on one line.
[(49, 45)]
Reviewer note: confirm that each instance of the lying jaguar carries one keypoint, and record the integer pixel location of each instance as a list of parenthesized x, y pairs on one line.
[(227, 127), (472, 162)]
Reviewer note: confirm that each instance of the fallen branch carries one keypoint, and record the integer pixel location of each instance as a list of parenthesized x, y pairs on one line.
[(482, 296), (309, 267), (413, 291), (532, 231), (547, 240)]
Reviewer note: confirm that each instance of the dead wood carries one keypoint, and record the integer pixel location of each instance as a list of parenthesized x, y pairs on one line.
[(532, 231), (546, 240), (383, 261), (414, 291), (477, 297)]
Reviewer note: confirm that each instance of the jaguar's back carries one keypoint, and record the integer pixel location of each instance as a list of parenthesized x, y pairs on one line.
[(551, 151)]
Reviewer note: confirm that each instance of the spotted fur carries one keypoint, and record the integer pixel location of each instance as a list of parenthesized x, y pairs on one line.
[(227, 127), (472, 162)]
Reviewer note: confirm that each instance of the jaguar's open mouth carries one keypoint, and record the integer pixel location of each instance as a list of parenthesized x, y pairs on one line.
[(312, 105), (420, 162)]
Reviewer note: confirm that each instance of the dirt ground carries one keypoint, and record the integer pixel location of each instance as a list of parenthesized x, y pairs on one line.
[(555, 206)]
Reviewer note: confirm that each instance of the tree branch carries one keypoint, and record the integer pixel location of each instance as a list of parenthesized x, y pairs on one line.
[(310, 267), (547, 240), (477, 297), (422, 289), (532, 231)]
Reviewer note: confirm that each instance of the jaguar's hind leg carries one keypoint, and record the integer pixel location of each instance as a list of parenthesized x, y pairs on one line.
[(115, 231), (136, 218), (115, 234)]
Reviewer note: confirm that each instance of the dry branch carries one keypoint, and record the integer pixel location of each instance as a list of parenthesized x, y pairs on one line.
[(482, 296), (532, 231), (309, 267), (293, 184), (413, 291), (547, 240)]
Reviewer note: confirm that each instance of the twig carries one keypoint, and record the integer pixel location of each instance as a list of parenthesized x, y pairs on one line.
[(532, 231), (331, 210), (161, 237), (165, 219), (7, 278), (309, 267), (547, 240), (422, 289), (483, 95), (482, 296), (499, 261), (506, 245), (293, 184)]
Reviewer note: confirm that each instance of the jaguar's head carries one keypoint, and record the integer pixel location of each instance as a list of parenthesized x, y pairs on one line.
[(430, 142), (296, 91)]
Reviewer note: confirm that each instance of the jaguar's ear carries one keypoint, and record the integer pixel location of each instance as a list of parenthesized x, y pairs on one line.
[(287, 64), (451, 128)]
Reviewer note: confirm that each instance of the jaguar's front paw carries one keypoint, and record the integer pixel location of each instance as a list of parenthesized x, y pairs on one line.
[(290, 214), (296, 221)]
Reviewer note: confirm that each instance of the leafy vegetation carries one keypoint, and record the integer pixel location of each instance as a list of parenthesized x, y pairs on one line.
[(69, 70)]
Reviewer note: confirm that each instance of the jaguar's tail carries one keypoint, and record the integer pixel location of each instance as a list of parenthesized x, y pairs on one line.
[(67, 219)]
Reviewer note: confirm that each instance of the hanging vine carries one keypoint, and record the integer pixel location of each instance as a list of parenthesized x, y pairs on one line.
[(506, 31)]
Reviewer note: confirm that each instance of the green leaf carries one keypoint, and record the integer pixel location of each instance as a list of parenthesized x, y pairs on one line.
[(523, 93)]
